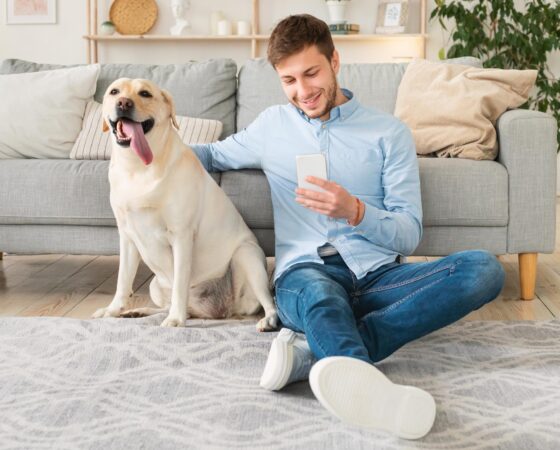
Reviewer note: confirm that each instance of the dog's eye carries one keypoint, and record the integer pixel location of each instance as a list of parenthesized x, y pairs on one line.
[(114, 91), (145, 94)]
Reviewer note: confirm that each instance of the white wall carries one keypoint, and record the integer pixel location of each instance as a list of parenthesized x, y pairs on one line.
[(63, 43)]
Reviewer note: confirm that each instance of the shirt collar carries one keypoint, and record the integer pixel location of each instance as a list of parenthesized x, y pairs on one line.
[(343, 111)]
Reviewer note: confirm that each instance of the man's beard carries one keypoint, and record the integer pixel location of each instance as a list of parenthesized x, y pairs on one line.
[(330, 95)]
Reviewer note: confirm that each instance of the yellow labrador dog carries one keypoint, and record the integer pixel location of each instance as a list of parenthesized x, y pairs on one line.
[(171, 213)]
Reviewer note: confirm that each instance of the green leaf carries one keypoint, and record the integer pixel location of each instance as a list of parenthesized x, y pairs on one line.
[(507, 34)]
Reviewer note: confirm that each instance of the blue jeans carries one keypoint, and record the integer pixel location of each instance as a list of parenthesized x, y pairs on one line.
[(371, 318)]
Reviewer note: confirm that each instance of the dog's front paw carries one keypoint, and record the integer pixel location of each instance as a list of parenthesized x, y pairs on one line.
[(173, 321), (107, 312), (268, 322)]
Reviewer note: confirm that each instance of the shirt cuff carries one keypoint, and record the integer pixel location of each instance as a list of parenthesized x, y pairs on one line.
[(370, 224)]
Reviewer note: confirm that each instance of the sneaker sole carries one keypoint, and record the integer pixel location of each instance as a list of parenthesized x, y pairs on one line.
[(275, 378), (360, 395)]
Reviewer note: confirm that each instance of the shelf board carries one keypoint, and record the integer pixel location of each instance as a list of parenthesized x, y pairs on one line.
[(259, 37), (375, 37), (162, 37)]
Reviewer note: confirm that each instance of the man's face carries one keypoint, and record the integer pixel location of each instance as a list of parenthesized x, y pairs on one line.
[(309, 81)]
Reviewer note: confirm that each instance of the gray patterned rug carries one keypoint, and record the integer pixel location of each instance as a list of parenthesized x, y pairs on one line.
[(116, 384)]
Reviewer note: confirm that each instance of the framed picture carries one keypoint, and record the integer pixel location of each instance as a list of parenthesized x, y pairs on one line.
[(30, 11), (392, 16)]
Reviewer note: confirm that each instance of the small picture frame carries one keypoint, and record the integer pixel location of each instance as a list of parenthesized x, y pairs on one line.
[(30, 11), (392, 16)]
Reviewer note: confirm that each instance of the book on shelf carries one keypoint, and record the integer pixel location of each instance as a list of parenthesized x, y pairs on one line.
[(345, 32), (344, 27)]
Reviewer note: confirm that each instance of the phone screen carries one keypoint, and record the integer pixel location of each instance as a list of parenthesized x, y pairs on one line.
[(311, 165)]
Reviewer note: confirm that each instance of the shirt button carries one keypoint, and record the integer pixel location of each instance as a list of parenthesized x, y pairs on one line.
[(330, 239), (330, 219), (323, 127)]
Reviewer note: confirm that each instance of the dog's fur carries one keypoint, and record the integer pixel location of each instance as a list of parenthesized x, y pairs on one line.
[(171, 213)]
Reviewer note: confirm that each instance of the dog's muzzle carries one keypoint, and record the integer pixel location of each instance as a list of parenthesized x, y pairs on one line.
[(129, 133), (117, 126)]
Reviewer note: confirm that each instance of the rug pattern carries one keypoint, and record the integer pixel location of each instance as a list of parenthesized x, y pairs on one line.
[(128, 383)]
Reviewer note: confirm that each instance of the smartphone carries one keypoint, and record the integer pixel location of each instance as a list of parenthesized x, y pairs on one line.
[(311, 165)]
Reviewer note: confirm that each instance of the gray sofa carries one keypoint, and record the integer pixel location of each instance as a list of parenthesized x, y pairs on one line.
[(503, 206)]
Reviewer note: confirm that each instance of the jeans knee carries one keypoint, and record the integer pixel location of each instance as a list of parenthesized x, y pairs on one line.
[(321, 294), (483, 275)]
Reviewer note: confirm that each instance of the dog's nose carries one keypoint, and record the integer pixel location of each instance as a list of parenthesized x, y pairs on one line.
[(125, 104)]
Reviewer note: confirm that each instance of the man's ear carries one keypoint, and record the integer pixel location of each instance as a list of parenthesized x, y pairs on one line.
[(335, 62), (169, 99), (104, 125)]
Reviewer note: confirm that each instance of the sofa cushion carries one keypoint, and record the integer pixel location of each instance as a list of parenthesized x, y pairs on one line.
[(69, 192), (463, 192), (454, 193), (28, 127), (452, 109), (250, 193), (63, 192), (48, 191), (200, 89), (375, 85)]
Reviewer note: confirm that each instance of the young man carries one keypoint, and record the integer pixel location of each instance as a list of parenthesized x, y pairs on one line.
[(338, 275)]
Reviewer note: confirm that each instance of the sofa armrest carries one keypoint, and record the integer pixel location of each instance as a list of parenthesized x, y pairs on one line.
[(528, 146)]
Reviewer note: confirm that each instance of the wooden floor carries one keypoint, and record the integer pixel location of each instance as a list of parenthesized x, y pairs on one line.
[(75, 286)]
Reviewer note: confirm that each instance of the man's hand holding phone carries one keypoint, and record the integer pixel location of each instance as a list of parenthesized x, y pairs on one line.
[(323, 196)]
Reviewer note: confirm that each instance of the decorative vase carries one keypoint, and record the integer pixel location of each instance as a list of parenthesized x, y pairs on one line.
[(107, 28), (337, 10)]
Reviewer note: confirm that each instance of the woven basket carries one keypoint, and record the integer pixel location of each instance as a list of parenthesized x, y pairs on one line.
[(133, 16)]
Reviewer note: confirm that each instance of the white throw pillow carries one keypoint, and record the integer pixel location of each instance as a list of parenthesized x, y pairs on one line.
[(92, 143), (41, 113)]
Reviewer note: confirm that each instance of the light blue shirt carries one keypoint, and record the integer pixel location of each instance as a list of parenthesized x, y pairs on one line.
[(369, 153)]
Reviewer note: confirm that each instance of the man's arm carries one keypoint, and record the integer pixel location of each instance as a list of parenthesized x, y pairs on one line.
[(242, 150), (398, 227)]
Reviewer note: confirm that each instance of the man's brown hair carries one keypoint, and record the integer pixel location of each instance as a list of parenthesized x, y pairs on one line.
[(295, 33)]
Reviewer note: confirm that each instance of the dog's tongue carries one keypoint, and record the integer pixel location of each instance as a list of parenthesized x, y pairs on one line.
[(138, 143)]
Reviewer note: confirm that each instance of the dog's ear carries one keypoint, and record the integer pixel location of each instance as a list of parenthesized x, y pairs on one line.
[(167, 97), (104, 125)]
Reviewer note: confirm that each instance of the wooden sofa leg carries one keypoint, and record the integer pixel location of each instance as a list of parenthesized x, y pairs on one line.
[(527, 274), (1, 256)]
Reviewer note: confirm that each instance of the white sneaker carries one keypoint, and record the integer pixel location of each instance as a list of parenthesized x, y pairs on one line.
[(289, 360), (360, 395)]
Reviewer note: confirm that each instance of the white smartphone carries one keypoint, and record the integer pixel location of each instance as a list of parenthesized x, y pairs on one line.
[(311, 165)]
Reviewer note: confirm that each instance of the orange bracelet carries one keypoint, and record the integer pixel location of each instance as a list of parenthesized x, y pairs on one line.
[(355, 221)]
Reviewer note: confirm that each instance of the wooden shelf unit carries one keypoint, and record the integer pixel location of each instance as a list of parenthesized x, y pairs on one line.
[(93, 38)]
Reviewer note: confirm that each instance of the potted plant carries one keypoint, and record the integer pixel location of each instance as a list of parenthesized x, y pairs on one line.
[(107, 28), (337, 10), (507, 37)]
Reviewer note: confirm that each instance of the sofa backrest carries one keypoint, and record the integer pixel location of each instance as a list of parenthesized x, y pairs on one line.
[(200, 89), (374, 84), (210, 89)]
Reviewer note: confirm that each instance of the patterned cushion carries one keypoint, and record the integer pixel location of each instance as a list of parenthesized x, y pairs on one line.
[(92, 143)]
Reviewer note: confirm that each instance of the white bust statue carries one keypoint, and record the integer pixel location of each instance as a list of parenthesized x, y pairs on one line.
[(179, 9)]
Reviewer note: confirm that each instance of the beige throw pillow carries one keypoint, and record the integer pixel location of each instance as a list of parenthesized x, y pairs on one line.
[(92, 143), (41, 112), (452, 109)]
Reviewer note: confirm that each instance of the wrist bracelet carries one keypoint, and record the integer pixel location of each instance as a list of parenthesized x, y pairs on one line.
[(355, 221)]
